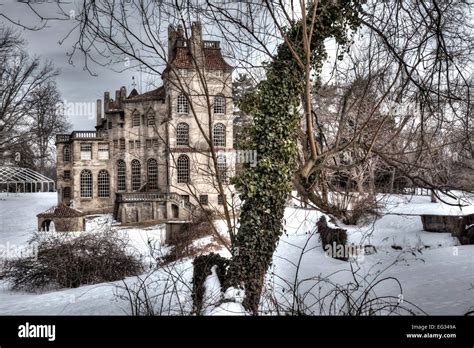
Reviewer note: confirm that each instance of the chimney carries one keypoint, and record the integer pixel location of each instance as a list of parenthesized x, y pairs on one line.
[(171, 42), (99, 112), (123, 93), (106, 101), (196, 43)]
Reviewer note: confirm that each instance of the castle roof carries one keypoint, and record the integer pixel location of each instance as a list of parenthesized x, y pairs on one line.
[(212, 57), (60, 211), (156, 94)]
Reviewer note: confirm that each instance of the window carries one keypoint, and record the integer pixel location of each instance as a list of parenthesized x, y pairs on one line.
[(219, 105), (136, 119), (103, 153), (137, 144), (103, 184), (131, 144), (151, 118), (67, 153), (220, 199), (67, 175), (152, 174), (218, 73), (219, 135), (182, 105), (185, 198), (183, 169), (204, 199), (222, 168), (148, 143), (183, 72), (115, 144), (86, 184), (86, 151), (136, 175), (109, 124), (155, 143), (121, 176), (66, 192), (182, 134), (122, 144)]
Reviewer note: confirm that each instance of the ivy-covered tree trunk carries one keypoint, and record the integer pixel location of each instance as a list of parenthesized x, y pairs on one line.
[(275, 109)]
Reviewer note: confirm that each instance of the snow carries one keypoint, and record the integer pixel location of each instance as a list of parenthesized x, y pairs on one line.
[(434, 271), (18, 213)]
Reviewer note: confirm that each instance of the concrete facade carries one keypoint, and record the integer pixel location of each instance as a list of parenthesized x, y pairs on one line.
[(137, 131)]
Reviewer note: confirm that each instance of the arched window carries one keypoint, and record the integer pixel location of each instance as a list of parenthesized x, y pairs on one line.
[(136, 175), (86, 184), (103, 184), (219, 135), (121, 175), (136, 119), (222, 168), (219, 104), (183, 169), (66, 192), (182, 106), (67, 153), (152, 174), (182, 134)]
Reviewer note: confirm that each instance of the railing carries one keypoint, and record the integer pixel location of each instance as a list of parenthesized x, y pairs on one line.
[(125, 197), (85, 134), (211, 44)]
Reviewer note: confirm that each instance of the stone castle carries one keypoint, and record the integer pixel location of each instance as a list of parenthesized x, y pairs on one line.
[(149, 159)]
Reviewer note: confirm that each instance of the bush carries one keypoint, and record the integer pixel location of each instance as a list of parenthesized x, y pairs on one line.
[(182, 242), (70, 262)]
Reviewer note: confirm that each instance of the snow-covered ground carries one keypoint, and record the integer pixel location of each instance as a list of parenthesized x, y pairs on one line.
[(434, 271)]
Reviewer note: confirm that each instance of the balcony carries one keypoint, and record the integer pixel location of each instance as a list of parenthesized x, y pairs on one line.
[(211, 44), (129, 197)]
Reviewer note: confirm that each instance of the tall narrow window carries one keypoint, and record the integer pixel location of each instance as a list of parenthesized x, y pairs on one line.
[(152, 174), (122, 144), (103, 184), (86, 184), (182, 134), (136, 119), (121, 176), (182, 106), (103, 153), (183, 169), (136, 175), (86, 151), (66, 192), (222, 168), (150, 118), (131, 144), (219, 135), (219, 105), (67, 153)]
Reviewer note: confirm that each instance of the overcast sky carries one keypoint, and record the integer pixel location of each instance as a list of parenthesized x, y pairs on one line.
[(75, 84)]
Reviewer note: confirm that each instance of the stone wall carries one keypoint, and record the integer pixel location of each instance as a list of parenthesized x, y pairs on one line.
[(458, 226)]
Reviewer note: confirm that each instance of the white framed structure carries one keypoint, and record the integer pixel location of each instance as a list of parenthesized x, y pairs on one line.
[(18, 179)]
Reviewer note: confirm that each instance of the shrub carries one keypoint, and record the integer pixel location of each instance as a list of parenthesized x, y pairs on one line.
[(70, 262), (182, 242)]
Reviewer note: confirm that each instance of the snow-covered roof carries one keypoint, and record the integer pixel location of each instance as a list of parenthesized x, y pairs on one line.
[(60, 211), (11, 174)]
